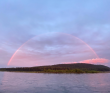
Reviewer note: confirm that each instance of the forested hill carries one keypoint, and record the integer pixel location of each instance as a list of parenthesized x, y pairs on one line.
[(83, 66), (63, 68)]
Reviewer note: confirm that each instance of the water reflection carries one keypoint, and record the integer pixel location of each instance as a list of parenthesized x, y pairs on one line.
[(1, 79), (55, 83), (99, 82)]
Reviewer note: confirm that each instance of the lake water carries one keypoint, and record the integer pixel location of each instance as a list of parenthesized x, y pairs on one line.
[(11, 82)]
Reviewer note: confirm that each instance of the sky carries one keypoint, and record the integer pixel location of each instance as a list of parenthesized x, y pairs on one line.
[(47, 32)]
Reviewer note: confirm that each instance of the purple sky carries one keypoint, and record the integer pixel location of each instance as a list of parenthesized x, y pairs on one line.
[(22, 20)]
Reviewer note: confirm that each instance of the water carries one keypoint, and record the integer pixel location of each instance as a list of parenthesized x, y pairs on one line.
[(11, 82)]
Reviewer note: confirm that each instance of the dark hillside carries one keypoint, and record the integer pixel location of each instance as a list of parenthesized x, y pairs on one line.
[(62, 68), (82, 66)]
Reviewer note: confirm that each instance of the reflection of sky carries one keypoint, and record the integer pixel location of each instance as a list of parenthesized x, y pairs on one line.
[(53, 83), (1, 79), (21, 20), (101, 84)]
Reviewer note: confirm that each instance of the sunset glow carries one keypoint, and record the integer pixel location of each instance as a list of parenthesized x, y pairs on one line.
[(95, 61), (91, 61)]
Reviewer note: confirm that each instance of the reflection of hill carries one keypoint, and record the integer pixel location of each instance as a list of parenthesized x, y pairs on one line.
[(63, 68)]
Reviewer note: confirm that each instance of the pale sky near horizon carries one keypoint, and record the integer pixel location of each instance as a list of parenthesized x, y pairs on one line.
[(23, 20)]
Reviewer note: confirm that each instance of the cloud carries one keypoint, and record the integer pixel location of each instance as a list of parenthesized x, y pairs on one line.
[(91, 61), (88, 20), (69, 62), (95, 61)]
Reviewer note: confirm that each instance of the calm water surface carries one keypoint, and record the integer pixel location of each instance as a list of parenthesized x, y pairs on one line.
[(11, 82)]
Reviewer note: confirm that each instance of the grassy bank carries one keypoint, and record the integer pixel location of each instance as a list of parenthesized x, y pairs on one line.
[(78, 71)]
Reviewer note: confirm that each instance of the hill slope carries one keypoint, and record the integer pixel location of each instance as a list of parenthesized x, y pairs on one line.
[(62, 68)]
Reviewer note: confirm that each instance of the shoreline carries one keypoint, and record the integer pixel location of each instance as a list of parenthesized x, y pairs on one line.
[(57, 72)]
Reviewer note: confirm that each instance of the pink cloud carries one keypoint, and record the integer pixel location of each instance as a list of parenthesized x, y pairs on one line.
[(95, 61), (70, 62), (91, 61)]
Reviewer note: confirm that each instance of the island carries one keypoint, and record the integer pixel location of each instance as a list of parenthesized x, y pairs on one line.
[(61, 68)]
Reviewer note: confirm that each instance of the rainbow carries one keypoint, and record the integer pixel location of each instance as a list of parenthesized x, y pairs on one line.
[(54, 32)]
